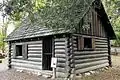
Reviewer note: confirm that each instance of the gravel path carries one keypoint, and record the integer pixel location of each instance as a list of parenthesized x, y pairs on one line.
[(14, 75)]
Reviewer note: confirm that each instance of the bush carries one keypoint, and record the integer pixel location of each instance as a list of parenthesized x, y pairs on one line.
[(2, 55)]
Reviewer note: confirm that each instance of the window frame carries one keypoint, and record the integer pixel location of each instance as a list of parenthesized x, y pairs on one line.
[(23, 51), (81, 46)]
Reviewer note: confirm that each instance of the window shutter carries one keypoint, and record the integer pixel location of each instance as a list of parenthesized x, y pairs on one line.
[(24, 51), (93, 43), (14, 51), (80, 43)]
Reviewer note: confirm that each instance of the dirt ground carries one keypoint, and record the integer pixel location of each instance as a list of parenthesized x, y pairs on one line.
[(110, 74)]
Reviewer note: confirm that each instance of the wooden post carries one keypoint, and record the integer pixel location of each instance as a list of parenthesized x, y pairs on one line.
[(53, 55), (9, 55), (109, 53)]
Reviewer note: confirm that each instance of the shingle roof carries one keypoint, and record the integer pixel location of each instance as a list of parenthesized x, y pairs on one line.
[(32, 31)]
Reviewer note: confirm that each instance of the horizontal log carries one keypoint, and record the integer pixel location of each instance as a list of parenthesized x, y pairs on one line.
[(60, 56), (101, 49), (33, 42), (89, 52), (91, 68), (90, 56), (26, 61), (100, 38), (83, 65), (102, 41), (62, 65), (34, 51), (35, 59), (35, 48), (26, 65), (62, 53), (59, 47), (90, 60), (38, 45), (75, 49), (35, 55), (59, 43), (101, 46), (60, 39), (59, 69), (61, 60), (59, 50)]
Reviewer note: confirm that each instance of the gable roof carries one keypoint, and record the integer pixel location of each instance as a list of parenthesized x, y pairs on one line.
[(27, 30)]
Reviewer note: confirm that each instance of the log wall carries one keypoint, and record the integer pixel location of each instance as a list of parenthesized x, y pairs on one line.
[(91, 60), (60, 54), (34, 57)]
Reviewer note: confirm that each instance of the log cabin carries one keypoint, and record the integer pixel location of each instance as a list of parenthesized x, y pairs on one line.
[(86, 49)]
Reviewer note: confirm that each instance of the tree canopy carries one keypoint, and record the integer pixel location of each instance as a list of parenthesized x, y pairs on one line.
[(113, 10), (50, 13)]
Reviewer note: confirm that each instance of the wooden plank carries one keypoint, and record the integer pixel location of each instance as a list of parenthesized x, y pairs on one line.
[(59, 43), (60, 56), (102, 41), (91, 68), (24, 51), (99, 43), (61, 60), (101, 46), (101, 49), (59, 50), (25, 61), (35, 45), (90, 56), (83, 65), (35, 55), (89, 52), (61, 65), (90, 60), (34, 51), (35, 59), (60, 47)]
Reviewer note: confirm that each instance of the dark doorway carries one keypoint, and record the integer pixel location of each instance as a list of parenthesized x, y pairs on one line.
[(47, 53)]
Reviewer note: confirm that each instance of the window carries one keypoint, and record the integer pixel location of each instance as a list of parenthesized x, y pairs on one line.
[(18, 50), (85, 43)]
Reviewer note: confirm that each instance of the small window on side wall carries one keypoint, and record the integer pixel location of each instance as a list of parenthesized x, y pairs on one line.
[(85, 43), (19, 50)]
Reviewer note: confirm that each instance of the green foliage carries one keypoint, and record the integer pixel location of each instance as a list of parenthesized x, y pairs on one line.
[(113, 10), (50, 13)]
